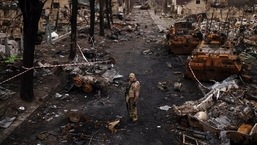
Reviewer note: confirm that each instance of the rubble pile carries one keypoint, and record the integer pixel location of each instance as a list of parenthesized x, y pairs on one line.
[(98, 75), (225, 107)]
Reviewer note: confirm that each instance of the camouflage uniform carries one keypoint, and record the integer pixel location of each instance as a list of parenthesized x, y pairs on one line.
[(132, 94)]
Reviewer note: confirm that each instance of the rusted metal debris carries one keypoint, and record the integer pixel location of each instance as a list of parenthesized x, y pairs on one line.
[(89, 82), (188, 140), (182, 38), (98, 75), (209, 60), (213, 59), (245, 135), (224, 108), (227, 53)]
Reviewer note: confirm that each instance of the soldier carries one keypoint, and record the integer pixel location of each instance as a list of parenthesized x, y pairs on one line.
[(131, 96)]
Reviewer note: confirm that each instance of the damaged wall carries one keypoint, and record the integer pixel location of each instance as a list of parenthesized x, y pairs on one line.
[(191, 7)]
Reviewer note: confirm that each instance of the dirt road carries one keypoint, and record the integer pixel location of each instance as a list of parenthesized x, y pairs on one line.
[(140, 52)]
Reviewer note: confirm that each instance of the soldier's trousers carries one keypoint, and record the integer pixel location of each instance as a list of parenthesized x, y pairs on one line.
[(132, 109)]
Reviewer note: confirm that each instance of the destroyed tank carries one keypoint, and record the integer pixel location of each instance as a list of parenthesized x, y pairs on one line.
[(213, 59), (182, 38)]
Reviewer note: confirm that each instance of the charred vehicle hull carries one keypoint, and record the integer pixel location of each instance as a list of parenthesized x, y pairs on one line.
[(213, 60), (182, 38), (182, 44)]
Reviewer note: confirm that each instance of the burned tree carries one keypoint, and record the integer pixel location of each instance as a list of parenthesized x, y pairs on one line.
[(164, 6), (110, 11), (101, 17), (107, 13), (92, 21), (73, 29), (31, 11), (127, 3)]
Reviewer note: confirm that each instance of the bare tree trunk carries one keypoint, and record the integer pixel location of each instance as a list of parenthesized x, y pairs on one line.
[(31, 11), (7, 49), (221, 10), (57, 19), (101, 17), (228, 22), (127, 7), (73, 29), (107, 12), (164, 6), (110, 11), (92, 21)]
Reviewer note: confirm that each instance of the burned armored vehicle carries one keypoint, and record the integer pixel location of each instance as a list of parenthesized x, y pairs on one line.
[(182, 38), (213, 59)]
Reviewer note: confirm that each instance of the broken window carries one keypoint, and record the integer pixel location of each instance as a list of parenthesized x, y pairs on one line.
[(56, 4), (198, 1)]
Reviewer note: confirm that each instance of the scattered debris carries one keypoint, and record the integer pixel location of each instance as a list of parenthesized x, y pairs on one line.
[(98, 75), (162, 86), (57, 95), (5, 93), (8, 47), (145, 6), (208, 100), (74, 115), (178, 86), (111, 75), (112, 125), (201, 115), (6, 122), (21, 108), (148, 52), (54, 35), (188, 140), (223, 108), (169, 64), (165, 107), (42, 135)]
